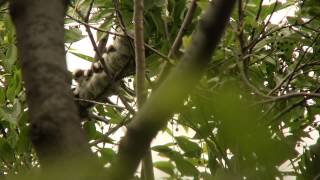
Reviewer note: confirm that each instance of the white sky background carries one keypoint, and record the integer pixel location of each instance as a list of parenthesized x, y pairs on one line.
[(85, 47)]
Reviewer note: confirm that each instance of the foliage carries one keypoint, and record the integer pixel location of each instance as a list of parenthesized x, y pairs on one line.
[(252, 110)]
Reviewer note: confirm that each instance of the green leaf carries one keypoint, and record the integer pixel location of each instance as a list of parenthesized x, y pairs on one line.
[(11, 114), (186, 41), (162, 149), (101, 110), (14, 85), (106, 25), (90, 129), (73, 35), (190, 148), (11, 58), (212, 163), (161, 3), (203, 4), (206, 176), (2, 96), (24, 144), (165, 166), (115, 117), (104, 3), (10, 94), (183, 165), (157, 21), (17, 109), (107, 154), (82, 56), (186, 167), (105, 13), (6, 151), (148, 4)]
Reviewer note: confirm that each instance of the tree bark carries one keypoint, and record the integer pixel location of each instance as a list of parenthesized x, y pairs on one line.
[(54, 121), (147, 164)]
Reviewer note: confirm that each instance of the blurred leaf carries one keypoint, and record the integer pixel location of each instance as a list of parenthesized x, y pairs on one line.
[(115, 117), (106, 25), (186, 41), (185, 167), (203, 4), (107, 154), (11, 114), (2, 96), (6, 151), (73, 35), (212, 162), (11, 58), (90, 129), (24, 143), (165, 166), (82, 56), (190, 148)]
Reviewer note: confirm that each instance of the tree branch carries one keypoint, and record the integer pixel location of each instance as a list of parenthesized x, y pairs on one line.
[(149, 47), (169, 96), (55, 125), (147, 165)]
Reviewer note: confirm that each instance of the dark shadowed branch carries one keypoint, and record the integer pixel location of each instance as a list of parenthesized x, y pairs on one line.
[(165, 101), (55, 126)]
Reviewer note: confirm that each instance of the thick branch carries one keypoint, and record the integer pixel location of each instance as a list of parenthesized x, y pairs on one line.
[(55, 125), (170, 95)]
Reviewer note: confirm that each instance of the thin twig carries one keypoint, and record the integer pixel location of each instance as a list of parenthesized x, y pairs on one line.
[(111, 131), (257, 18), (302, 58), (126, 104), (100, 103), (291, 95), (265, 34), (289, 108), (149, 47), (270, 16), (95, 28), (177, 42), (98, 118), (289, 77), (86, 18), (240, 25), (94, 44), (187, 20), (242, 62), (121, 22)]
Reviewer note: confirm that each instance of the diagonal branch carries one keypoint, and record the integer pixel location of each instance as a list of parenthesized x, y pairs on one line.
[(147, 46), (169, 96)]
